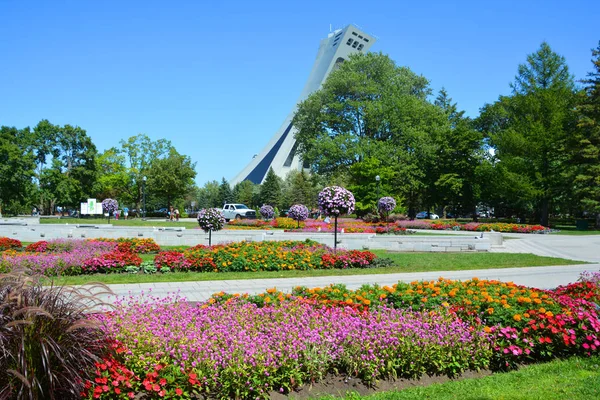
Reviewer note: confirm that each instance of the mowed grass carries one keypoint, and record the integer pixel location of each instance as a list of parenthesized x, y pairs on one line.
[(571, 379), (403, 262)]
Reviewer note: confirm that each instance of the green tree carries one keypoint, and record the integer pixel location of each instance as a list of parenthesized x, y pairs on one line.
[(270, 192), (243, 193), (529, 129), (17, 169), (225, 193), (113, 178), (140, 153), (298, 188), (587, 141), (171, 178), (208, 195), (372, 109), (459, 155)]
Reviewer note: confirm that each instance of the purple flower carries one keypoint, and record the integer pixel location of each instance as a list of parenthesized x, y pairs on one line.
[(110, 205), (267, 211), (299, 212), (335, 200), (211, 219)]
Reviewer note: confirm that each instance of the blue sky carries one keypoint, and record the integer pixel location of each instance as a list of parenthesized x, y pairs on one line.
[(219, 79)]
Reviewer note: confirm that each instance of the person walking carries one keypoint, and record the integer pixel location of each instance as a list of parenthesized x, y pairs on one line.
[(125, 212), (177, 214), (171, 213)]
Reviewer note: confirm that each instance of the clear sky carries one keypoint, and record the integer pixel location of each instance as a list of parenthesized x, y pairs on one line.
[(218, 78)]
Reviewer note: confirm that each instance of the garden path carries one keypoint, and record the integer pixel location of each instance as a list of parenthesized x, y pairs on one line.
[(541, 277)]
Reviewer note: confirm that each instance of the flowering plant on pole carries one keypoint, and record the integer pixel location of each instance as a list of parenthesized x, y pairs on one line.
[(267, 211), (299, 212), (211, 219), (333, 201), (385, 205), (110, 206)]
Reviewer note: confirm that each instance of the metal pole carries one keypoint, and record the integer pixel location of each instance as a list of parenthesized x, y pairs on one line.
[(144, 196), (335, 236)]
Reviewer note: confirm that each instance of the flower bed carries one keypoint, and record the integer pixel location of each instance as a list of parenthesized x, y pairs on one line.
[(244, 351), (135, 245), (262, 256), (241, 346), (55, 257), (8, 243)]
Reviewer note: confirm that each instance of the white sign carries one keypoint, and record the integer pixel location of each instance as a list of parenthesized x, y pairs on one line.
[(91, 205), (84, 209)]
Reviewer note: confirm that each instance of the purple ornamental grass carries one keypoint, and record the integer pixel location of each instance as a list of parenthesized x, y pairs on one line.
[(267, 211), (239, 342)]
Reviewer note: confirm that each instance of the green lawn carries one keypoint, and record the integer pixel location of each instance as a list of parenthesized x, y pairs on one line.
[(572, 379), (403, 262)]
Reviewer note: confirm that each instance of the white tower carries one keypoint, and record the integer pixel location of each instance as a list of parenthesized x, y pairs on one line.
[(279, 152)]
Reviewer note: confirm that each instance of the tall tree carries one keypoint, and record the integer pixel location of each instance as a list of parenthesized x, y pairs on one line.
[(113, 179), (225, 192), (460, 154), (171, 178), (243, 193), (208, 195), (530, 139), (270, 192), (141, 152), (17, 168), (587, 141), (298, 188), (372, 109)]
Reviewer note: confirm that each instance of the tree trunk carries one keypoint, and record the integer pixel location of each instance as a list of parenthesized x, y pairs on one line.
[(545, 211)]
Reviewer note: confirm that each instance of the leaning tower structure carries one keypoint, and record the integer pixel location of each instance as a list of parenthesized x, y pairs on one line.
[(280, 152)]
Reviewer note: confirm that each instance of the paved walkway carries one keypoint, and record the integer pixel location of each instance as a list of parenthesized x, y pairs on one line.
[(542, 277), (585, 248)]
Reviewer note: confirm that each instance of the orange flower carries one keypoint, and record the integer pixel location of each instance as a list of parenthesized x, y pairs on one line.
[(490, 310), (271, 290), (517, 317), (424, 299), (487, 329), (349, 301)]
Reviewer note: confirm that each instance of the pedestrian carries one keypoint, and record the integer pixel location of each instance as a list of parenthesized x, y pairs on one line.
[(117, 215), (171, 213), (125, 212), (177, 214)]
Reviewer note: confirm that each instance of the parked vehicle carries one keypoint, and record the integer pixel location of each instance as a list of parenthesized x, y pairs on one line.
[(238, 211), (423, 215)]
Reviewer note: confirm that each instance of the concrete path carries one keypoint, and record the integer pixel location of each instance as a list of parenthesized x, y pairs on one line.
[(583, 248), (541, 277)]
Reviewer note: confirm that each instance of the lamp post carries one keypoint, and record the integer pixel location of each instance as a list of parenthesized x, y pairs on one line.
[(378, 179), (144, 195)]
